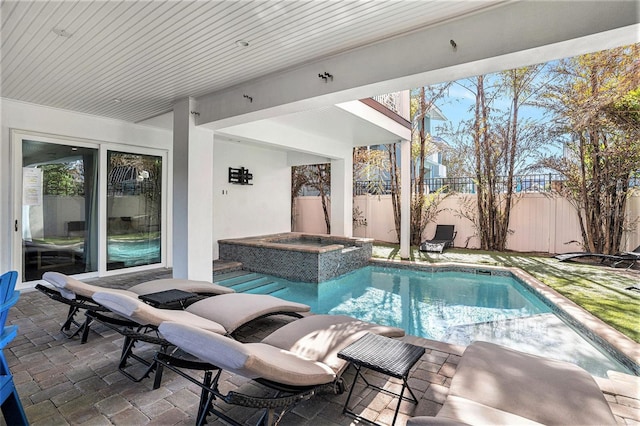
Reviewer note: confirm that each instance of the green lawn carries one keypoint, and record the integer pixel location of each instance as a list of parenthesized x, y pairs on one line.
[(597, 288)]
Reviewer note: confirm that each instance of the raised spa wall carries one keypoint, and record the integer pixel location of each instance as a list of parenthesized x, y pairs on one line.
[(298, 257)]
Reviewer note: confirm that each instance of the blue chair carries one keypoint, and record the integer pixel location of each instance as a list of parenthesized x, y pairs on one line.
[(11, 405)]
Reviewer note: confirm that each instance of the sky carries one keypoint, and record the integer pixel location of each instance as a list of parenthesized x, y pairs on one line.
[(456, 107)]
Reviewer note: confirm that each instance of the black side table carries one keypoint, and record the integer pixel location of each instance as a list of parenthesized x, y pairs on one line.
[(384, 355), (166, 298)]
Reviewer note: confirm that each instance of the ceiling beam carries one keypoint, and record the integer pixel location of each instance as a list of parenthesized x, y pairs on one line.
[(509, 35)]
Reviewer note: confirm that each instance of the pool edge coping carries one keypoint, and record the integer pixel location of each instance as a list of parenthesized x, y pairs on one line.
[(583, 318)]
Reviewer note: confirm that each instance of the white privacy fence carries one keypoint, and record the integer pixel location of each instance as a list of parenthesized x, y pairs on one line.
[(540, 223)]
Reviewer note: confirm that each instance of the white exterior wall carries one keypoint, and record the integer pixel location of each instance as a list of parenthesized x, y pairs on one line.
[(67, 124), (540, 223), (246, 210)]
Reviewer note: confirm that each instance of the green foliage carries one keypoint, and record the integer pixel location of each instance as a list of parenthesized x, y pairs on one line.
[(596, 101), (371, 166), (62, 179), (318, 177)]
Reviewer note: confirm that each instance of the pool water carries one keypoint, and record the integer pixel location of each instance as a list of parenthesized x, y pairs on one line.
[(453, 307), (134, 253)]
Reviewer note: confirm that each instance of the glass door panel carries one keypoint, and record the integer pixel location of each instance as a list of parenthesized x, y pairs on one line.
[(59, 209), (134, 213)]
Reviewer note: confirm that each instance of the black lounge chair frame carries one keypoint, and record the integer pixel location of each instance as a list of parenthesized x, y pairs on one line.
[(134, 333), (283, 400), (614, 259), (76, 306)]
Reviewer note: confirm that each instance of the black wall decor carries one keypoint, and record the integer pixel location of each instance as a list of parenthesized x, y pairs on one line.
[(240, 176)]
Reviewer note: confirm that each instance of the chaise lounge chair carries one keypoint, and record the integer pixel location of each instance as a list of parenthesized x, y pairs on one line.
[(494, 385), (78, 295), (445, 234), (629, 256), (614, 259), (296, 361), (222, 314)]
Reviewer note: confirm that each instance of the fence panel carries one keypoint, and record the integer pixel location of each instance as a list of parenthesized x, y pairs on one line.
[(540, 223)]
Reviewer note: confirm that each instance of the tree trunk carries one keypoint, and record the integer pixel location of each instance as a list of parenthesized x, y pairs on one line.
[(394, 184)]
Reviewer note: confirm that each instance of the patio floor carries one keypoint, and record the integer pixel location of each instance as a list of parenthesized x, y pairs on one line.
[(61, 381)]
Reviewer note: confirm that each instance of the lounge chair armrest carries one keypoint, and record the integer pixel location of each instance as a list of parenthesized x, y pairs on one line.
[(184, 363), (434, 421), (107, 320)]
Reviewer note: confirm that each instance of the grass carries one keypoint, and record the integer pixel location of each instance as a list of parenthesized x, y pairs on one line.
[(597, 288)]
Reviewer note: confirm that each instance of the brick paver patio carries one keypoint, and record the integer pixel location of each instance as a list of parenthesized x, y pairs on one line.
[(61, 381)]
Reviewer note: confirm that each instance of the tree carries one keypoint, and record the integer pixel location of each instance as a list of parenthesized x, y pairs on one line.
[(372, 167), (499, 142), (596, 101), (318, 177), (61, 178)]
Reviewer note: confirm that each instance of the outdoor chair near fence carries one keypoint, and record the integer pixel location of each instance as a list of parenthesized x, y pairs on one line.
[(630, 258), (443, 238)]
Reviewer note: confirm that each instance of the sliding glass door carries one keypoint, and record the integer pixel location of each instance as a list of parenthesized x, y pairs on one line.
[(134, 213), (59, 209), (86, 208)]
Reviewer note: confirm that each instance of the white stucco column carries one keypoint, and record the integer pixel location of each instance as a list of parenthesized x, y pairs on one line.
[(405, 198), (342, 196), (192, 195)]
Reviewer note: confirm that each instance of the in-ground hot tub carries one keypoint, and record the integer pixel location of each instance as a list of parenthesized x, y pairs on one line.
[(298, 257)]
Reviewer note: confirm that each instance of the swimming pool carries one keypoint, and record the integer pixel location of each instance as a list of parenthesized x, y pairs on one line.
[(454, 307)]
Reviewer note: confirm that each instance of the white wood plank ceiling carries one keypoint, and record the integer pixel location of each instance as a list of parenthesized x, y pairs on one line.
[(131, 60)]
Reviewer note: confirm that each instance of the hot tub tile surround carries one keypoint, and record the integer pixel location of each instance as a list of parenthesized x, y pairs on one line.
[(298, 257)]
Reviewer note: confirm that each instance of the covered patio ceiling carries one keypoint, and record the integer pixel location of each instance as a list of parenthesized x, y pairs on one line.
[(83, 56), (133, 60)]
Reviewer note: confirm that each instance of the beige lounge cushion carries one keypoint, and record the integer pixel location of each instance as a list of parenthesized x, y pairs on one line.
[(536, 388), (144, 314), (234, 310), (251, 360), (321, 337), (192, 286), (474, 413), (69, 287)]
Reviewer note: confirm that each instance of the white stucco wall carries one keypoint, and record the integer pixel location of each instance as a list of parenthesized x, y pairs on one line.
[(246, 210), (67, 124), (261, 208)]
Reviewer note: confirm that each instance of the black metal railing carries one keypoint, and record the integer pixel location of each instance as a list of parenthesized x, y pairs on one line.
[(523, 183)]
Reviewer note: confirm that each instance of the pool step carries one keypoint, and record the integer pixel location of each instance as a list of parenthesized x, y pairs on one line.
[(229, 275), (238, 281), (276, 289), (265, 288), (254, 284), (249, 282), (230, 282)]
